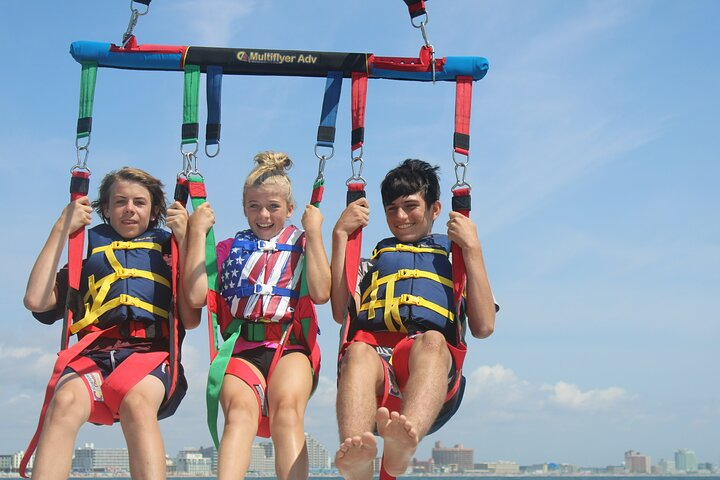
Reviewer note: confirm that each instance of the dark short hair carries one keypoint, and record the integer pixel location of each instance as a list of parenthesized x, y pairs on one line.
[(129, 174), (410, 177)]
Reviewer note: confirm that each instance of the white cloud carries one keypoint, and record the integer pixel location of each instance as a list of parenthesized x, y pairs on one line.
[(17, 353), (570, 396), (504, 396)]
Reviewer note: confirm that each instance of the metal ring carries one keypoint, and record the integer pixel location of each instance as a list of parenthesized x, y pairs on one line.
[(422, 22), (321, 156), (183, 151), (217, 152)]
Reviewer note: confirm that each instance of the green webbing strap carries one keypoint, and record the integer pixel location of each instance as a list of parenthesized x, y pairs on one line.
[(198, 196), (190, 126), (216, 374), (87, 95)]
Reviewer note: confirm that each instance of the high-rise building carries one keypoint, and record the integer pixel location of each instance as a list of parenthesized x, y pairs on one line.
[(89, 459), (635, 462), (262, 458), (457, 458), (192, 462), (212, 454), (318, 456), (666, 467), (685, 461)]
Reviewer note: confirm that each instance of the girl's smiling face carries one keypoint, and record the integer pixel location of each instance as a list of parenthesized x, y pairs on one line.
[(266, 208)]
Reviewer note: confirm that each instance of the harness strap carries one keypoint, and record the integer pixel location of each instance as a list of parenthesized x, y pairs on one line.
[(64, 358), (198, 194), (79, 186), (463, 103), (268, 246), (410, 248), (415, 7), (190, 126), (460, 203), (88, 77), (358, 104), (328, 114), (213, 76)]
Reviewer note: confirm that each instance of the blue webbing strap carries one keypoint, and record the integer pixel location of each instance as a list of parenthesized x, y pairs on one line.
[(214, 89), (326, 129)]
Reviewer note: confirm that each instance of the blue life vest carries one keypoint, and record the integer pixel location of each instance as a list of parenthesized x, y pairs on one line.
[(409, 288), (261, 278), (125, 279)]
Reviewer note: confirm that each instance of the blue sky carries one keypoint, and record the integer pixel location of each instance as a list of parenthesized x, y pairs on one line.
[(594, 166)]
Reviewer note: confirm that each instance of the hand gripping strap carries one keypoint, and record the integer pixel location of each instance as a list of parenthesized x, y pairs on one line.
[(354, 243), (79, 186), (461, 204)]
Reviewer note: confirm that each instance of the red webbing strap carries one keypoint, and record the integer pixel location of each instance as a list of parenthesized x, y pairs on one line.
[(136, 367), (79, 186), (358, 102), (463, 103), (64, 358), (415, 7), (383, 474), (181, 195), (354, 243), (461, 204)]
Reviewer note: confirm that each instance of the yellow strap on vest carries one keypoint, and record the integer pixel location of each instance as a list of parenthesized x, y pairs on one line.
[(391, 310), (97, 290), (400, 247), (92, 316)]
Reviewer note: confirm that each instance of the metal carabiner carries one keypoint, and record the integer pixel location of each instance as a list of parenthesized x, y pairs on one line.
[(460, 172), (134, 14), (321, 166), (356, 171)]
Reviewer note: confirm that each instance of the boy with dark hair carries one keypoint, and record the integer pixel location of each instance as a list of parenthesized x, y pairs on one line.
[(400, 365)]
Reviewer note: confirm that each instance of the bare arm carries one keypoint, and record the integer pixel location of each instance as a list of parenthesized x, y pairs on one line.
[(355, 216), (40, 294), (316, 259), (177, 221), (480, 303), (195, 281)]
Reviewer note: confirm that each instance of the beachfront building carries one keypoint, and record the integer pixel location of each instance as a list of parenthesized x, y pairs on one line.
[(212, 454), (665, 467), (455, 459), (192, 462), (635, 462), (686, 461), (262, 458), (89, 459), (318, 456)]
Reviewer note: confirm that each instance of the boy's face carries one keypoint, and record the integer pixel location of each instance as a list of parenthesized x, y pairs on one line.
[(129, 209), (410, 219)]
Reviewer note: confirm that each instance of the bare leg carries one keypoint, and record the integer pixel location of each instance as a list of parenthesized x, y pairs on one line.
[(138, 418), (423, 397), (240, 408), (68, 411), (361, 379), (288, 394)]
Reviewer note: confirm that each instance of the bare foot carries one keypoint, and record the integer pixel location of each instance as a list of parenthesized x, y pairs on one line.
[(354, 458), (401, 440)]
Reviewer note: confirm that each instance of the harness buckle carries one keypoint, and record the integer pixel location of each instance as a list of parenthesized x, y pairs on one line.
[(407, 299), (266, 246), (262, 289), (127, 273), (404, 273)]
